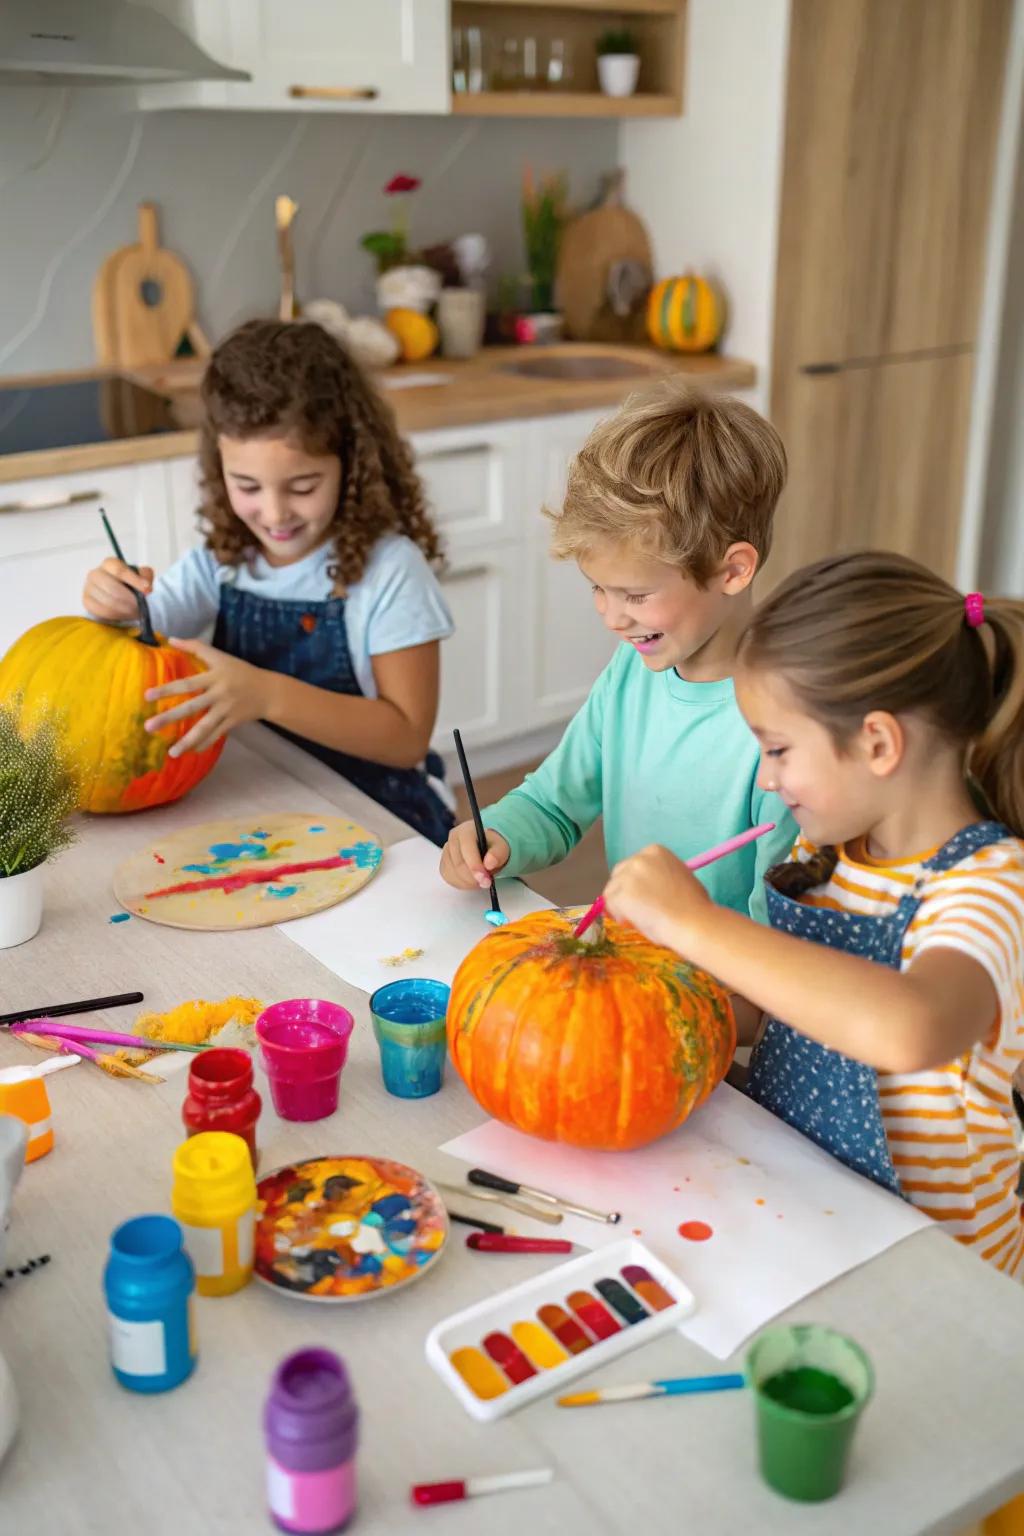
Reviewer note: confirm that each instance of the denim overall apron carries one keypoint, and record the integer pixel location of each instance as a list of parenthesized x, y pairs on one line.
[(309, 641), (824, 1094)]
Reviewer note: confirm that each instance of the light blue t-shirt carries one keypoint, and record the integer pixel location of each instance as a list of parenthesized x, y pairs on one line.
[(396, 604)]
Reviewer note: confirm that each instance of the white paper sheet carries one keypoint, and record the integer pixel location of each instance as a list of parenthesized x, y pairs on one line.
[(405, 906), (785, 1217)]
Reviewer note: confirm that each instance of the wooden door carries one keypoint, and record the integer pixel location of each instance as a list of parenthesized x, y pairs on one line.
[(891, 121), (876, 462)]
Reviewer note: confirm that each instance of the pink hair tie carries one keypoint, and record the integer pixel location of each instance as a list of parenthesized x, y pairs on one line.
[(974, 608)]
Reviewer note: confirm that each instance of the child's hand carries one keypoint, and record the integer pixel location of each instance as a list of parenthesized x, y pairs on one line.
[(461, 864), (657, 894), (106, 595), (227, 694)]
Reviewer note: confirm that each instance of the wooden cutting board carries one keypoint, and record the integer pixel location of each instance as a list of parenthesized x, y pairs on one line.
[(593, 246), (143, 302)]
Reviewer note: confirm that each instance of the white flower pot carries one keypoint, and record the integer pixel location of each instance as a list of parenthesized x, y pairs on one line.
[(618, 73), (21, 907)]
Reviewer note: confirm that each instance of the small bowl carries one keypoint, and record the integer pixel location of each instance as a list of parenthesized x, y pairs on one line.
[(304, 1046)]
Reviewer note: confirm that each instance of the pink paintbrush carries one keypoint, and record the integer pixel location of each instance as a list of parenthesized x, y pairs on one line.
[(79, 1032), (697, 862)]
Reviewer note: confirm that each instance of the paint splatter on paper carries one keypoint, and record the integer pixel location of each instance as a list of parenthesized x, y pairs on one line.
[(402, 958), (696, 1231)]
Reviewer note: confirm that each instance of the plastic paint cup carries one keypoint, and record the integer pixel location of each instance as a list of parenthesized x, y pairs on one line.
[(23, 1093), (149, 1284), (221, 1096), (304, 1044), (811, 1385), (409, 1023)]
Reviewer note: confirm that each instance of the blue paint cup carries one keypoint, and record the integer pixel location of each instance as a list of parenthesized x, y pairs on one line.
[(149, 1283), (409, 1023)]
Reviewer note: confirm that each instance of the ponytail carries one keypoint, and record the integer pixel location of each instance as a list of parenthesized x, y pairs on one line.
[(855, 633)]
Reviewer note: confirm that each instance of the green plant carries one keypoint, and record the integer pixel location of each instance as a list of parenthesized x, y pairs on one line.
[(617, 40), (545, 209), (390, 247), (39, 787)]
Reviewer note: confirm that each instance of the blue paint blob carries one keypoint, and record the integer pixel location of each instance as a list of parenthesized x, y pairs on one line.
[(496, 919), (316, 829), (364, 855), (261, 834), (120, 917), (281, 891)]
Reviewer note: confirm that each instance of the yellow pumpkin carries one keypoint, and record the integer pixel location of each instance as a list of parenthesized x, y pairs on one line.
[(417, 334), (97, 674), (685, 314)]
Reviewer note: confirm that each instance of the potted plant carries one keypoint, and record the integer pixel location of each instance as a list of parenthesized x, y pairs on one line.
[(618, 61), (39, 791), (545, 209)]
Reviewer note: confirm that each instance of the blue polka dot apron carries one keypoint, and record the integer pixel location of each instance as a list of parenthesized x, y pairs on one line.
[(309, 641), (824, 1094)]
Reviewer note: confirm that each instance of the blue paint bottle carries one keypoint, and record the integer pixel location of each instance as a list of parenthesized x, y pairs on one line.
[(149, 1283)]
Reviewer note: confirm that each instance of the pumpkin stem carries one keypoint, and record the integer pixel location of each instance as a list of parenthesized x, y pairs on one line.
[(594, 932)]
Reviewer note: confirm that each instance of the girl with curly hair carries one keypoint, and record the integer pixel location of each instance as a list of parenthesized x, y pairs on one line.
[(315, 573)]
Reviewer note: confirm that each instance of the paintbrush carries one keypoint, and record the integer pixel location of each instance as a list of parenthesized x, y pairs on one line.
[(480, 1176), (677, 1386), (495, 916), (78, 1032), (699, 861), (57, 1010), (147, 634), (107, 1064), (550, 1218)]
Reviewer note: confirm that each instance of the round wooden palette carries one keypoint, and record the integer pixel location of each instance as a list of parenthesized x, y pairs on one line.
[(247, 873), (345, 1229)]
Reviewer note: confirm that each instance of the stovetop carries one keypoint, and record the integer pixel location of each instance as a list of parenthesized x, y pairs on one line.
[(68, 414)]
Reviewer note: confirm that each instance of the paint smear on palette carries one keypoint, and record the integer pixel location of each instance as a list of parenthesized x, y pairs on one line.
[(120, 917), (281, 892), (159, 857), (316, 829), (242, 878), (696, 1231)]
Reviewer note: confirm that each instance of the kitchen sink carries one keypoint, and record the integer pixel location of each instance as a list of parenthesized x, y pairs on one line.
[(603, 366)]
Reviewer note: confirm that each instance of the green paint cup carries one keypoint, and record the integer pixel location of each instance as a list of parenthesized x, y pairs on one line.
[(810, 1385)]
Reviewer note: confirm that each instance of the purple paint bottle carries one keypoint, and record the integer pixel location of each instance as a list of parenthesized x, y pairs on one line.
[(311, 1422)]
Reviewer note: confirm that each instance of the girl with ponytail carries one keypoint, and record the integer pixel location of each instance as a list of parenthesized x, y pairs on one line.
[(888, 995)]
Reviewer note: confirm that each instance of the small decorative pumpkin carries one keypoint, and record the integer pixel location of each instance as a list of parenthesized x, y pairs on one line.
[(416, 334), (97, 674), (606, 1043), (686, 314)]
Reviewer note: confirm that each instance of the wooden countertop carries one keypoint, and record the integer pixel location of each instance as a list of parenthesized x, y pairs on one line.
[(490, 387)]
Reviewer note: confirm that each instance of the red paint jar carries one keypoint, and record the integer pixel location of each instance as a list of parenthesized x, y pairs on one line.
[(221, 1096)]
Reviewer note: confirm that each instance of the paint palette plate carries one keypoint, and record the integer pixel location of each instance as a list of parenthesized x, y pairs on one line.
[(347, 1229), (523, 1322), (248, 874)]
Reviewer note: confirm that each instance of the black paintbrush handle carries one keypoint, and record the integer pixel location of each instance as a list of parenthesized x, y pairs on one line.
[(474, 806), (487, 1180), (147, 634), (476, 1221), (56, 1010)]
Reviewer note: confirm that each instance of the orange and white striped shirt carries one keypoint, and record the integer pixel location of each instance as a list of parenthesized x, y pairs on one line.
[(952, 1131)]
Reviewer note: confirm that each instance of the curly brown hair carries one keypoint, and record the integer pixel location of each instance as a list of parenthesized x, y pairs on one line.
[(278, 377)]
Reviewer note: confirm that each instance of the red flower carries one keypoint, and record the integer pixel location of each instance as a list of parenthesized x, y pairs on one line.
[(402, 184)]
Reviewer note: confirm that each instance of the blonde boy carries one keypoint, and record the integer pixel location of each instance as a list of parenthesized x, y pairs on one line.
[(668, 514)]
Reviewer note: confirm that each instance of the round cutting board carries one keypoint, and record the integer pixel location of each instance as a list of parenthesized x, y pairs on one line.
[(344, 1229), (248, 873)]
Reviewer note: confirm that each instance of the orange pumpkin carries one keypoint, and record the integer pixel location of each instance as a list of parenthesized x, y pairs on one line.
[(97, 675), (685, 314), (606, 1044)]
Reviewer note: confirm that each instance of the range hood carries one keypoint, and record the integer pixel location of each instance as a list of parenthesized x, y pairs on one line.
[(98, 42)]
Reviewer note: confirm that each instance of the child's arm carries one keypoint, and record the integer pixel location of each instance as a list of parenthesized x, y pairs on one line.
[(183, 601), (394, 728), (896, 1021)]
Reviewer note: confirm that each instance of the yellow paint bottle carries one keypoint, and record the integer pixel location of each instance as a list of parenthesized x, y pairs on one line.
[(214, 1198)]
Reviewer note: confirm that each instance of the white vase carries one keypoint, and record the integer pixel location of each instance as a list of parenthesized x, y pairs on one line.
[(618, 73), (21, 907)]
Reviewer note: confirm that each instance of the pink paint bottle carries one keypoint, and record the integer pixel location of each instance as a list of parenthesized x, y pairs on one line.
[(311, 1423)]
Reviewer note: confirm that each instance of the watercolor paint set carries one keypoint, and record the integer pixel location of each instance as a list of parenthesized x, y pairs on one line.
[(535, 1337)]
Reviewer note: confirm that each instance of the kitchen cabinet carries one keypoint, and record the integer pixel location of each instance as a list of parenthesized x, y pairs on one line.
[(315, 55), (483, 688), (51, 535), (891, 120)]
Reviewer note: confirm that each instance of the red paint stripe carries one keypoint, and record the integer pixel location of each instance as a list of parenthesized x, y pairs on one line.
[(247, 877)]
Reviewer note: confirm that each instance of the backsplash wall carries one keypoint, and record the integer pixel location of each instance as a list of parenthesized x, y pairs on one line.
[(74, 167)]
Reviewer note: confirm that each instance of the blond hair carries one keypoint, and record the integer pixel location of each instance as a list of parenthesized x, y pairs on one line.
[(862, 632), (678, 474)]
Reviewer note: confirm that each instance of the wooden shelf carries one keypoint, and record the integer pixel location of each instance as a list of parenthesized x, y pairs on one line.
[(562, 104)]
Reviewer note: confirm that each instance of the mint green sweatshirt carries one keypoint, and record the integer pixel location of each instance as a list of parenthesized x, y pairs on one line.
[(664, 761)]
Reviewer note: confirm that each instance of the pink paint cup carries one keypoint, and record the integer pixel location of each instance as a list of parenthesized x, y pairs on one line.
[(303, 1045)]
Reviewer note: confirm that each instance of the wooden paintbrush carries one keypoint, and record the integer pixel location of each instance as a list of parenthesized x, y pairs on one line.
[(147, 634), (495, 916)]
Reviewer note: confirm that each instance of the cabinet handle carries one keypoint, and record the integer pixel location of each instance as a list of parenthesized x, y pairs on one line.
[(72, 499), (333, 92), (463, 573)]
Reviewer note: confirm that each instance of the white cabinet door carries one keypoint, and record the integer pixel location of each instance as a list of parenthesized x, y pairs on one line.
[(183, 504), (481, 680), (569, 644), (474, 478), (51, 535), (316, 55)]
